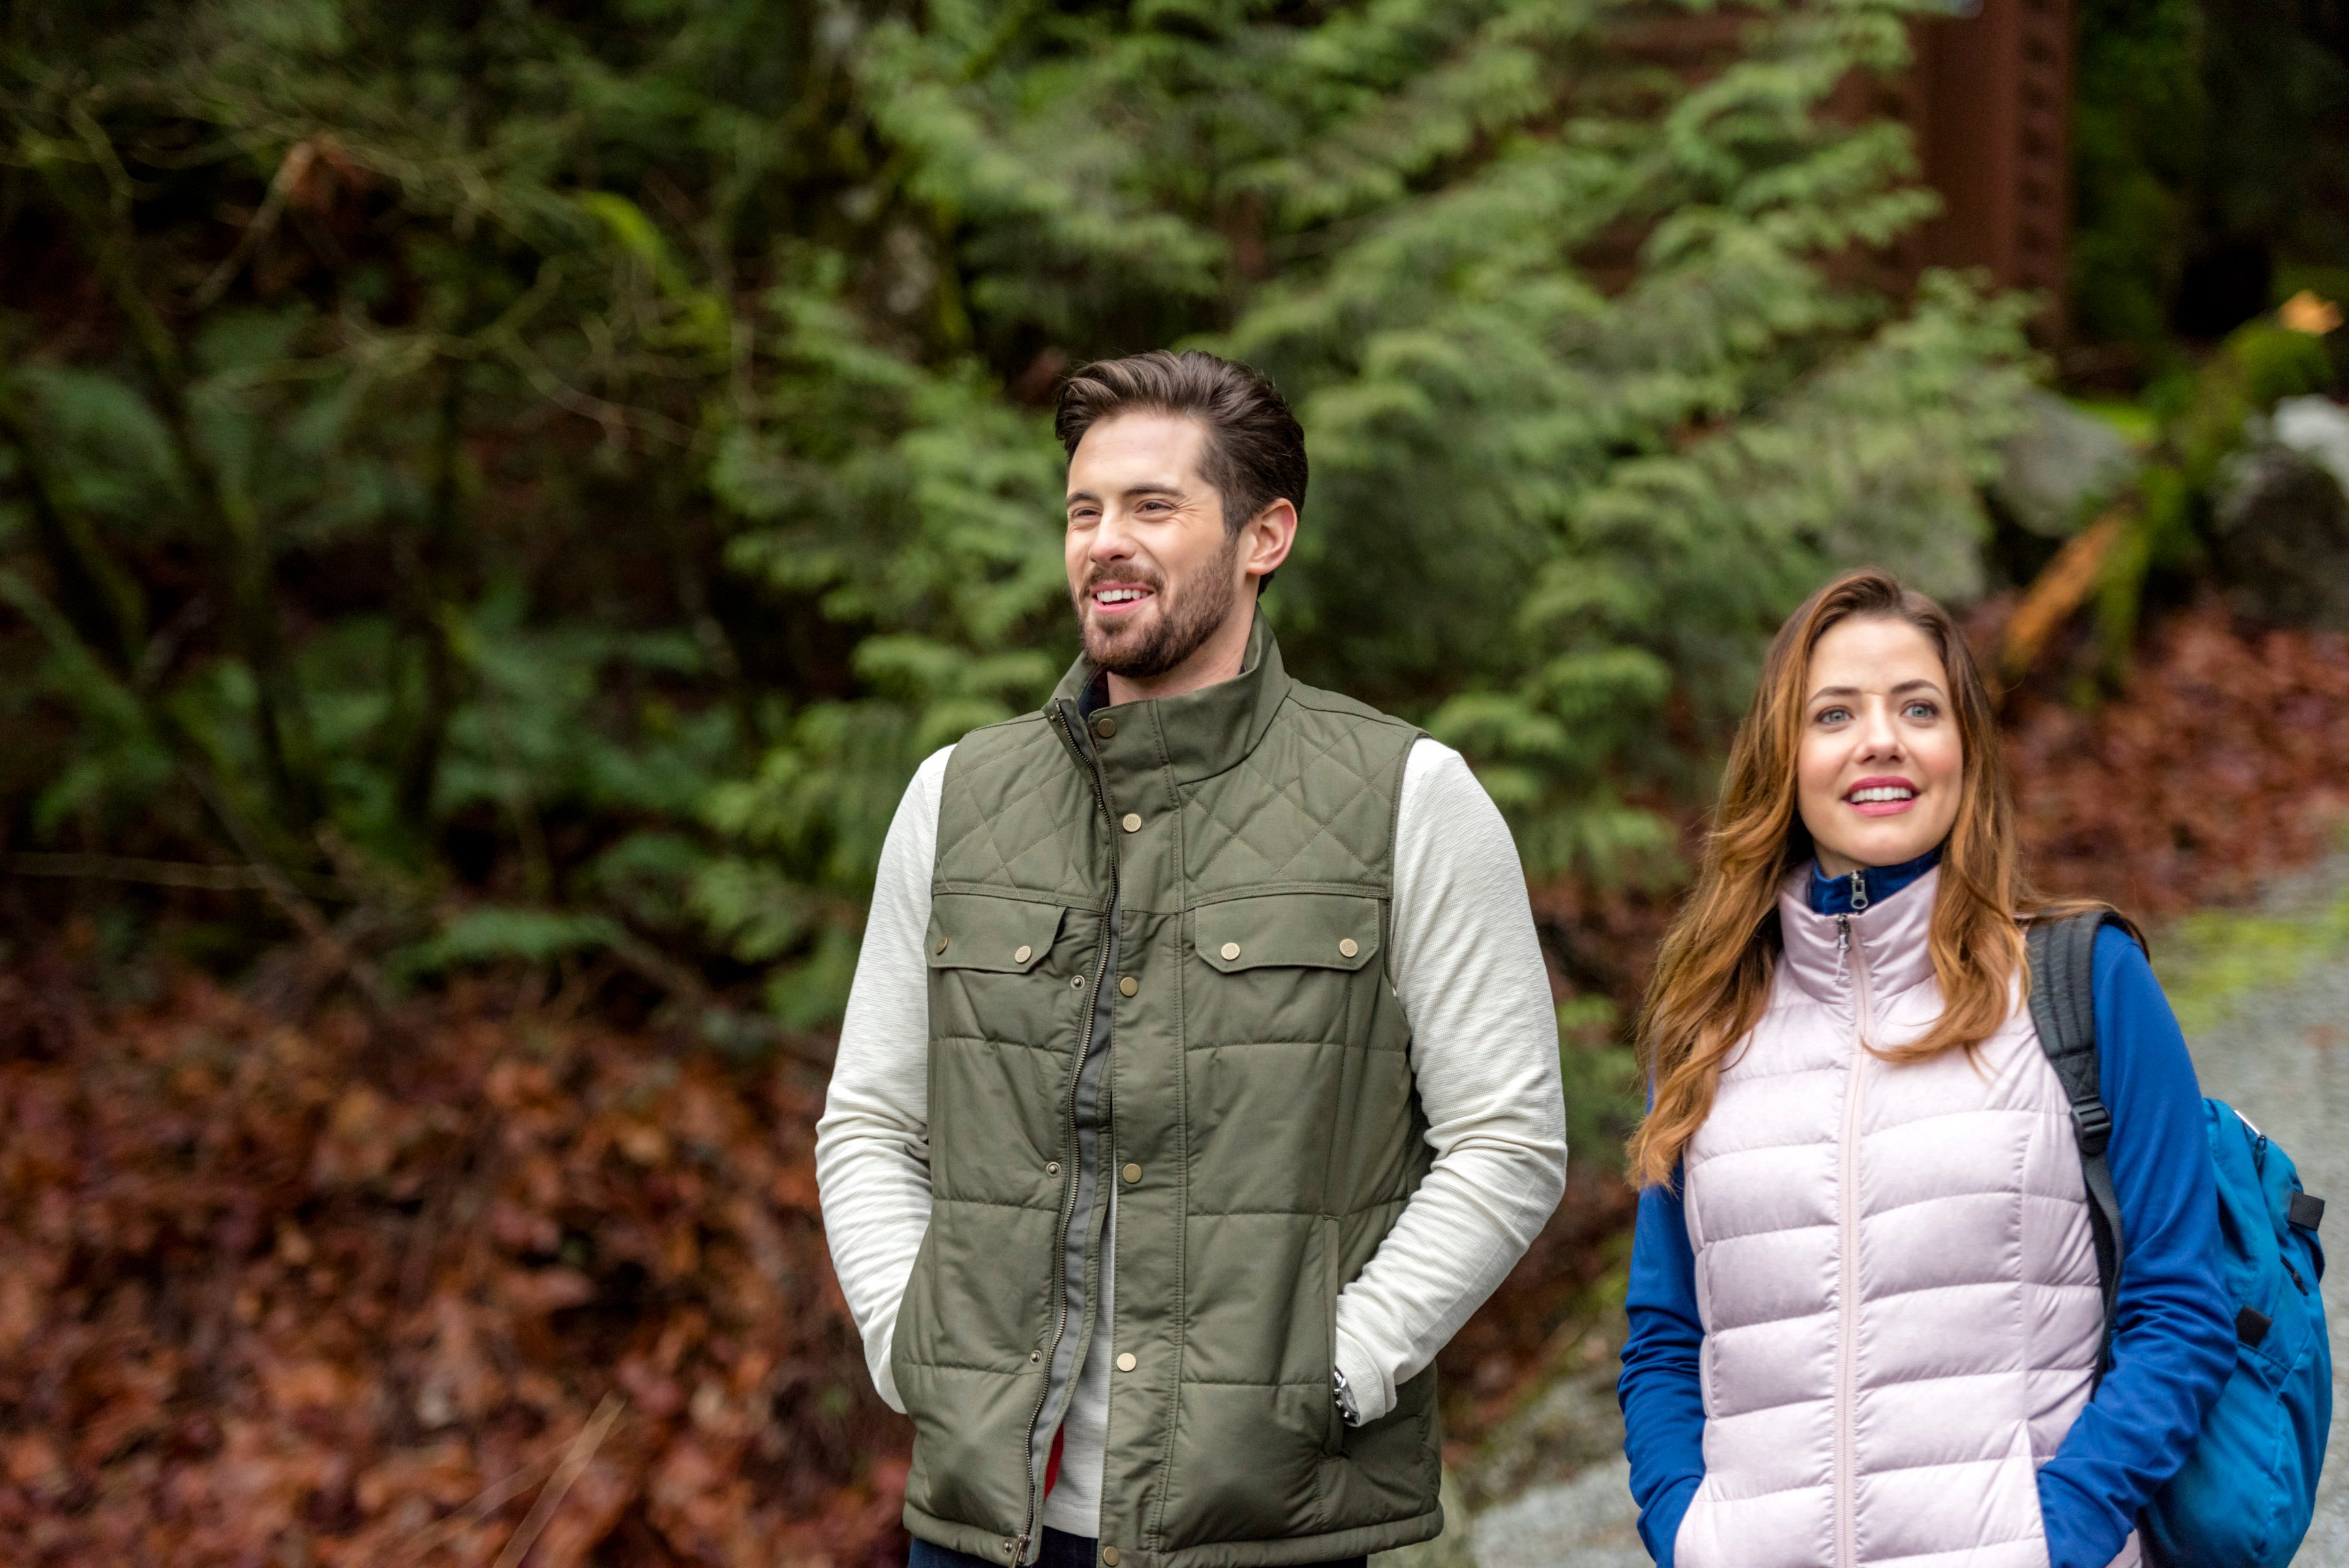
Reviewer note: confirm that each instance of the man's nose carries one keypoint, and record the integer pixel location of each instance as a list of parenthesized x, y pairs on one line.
[(1113, 540)]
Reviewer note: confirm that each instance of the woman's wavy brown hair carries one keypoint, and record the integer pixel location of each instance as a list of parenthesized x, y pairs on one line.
[(1712, 974)]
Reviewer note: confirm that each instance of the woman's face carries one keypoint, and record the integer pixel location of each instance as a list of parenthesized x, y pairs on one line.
[(1878, 771)]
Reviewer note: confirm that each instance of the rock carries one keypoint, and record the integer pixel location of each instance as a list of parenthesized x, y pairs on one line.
[(2280, 518), (2060, 466), (2317, 429)]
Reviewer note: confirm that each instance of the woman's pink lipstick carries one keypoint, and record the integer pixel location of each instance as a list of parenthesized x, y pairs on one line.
[(1886, 796)]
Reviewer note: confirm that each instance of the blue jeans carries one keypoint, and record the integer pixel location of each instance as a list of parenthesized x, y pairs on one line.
[(1061, 1550)]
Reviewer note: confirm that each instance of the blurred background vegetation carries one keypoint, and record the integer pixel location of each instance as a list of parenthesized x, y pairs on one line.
[(496, 498), (528, 483)]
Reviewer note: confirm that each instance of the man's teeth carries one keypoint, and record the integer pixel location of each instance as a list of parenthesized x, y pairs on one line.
[(1119, 596), (1882, 792)]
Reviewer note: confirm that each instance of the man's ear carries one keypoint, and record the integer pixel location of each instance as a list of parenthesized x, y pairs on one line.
[(1265, 540)]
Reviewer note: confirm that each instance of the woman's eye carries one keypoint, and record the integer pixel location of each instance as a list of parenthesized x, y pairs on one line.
[(1922, 710), (1833, 715)]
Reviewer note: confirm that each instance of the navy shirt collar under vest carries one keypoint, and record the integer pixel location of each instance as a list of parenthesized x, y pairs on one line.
[(1838, 895)]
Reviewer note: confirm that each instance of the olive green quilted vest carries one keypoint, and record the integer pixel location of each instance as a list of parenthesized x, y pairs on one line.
[(1259, 1112)]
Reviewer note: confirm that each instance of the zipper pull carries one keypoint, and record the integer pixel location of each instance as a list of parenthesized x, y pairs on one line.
[(1843, 935), (1858, 890)]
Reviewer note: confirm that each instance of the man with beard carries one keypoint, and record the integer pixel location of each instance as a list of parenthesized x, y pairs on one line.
[(1200, 1074)]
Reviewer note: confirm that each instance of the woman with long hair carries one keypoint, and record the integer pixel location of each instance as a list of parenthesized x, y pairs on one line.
[(1864, 1316)]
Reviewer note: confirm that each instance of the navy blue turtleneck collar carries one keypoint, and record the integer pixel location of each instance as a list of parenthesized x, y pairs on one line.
[(1839, 894)]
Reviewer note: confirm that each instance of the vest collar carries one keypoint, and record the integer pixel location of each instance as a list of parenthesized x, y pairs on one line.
[(1890, 936), (1196, 735), (1855, 891)]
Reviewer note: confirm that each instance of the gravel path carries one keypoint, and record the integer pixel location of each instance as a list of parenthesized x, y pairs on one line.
[(2264, 997), (2266, 1002)]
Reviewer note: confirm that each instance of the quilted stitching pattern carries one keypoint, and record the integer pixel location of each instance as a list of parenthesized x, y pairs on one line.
[(1311, 804), (1974, 1315), (1020, 817), (1224, 1442)]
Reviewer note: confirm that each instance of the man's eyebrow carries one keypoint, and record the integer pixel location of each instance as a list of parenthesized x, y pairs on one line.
[(1147, 487)]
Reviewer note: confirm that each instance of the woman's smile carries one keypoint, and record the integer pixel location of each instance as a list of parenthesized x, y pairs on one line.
[(1881, 796)]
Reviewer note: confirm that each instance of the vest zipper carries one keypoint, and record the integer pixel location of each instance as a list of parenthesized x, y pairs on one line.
[(1847, 1347), (1068, 1177), (1858, 890)]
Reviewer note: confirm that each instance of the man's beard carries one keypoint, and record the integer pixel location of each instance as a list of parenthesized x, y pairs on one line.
[(1188, 613)]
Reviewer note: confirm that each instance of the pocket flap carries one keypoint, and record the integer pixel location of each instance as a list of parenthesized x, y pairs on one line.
[(977, 931), (1312, 930)]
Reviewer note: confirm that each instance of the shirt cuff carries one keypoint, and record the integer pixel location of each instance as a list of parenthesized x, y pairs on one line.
[(1373, 1397), (880, 1350)]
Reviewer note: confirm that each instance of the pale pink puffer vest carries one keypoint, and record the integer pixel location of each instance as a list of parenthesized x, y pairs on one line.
[(1893, 1267)]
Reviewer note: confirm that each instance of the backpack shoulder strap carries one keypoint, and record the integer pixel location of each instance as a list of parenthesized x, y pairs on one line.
[(2063, 955)]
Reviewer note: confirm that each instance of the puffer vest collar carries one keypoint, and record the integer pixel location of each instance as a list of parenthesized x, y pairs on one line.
[(1197, 735), (1891, 938)]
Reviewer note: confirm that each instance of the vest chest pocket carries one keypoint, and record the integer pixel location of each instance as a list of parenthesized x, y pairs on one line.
[(999, 967), (998, 936), (1287, 965)]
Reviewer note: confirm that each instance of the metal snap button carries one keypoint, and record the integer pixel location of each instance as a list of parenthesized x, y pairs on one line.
[(1020, 956), (1126, 1362), (1133, 823), (1131, 1173), (1347, 947), (1231, 950), (942, 944), (1109, 1557), (1128, 986), (1104, 726), (1076, 983), (1051, 1168)]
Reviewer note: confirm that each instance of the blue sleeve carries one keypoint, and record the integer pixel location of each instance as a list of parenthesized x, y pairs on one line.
[(2174, 1343), (1662, 1400)]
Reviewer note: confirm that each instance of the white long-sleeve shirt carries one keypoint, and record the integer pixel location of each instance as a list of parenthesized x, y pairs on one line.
[(1483, 1054)]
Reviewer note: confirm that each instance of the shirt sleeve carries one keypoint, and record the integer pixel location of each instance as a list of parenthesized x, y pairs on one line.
[(1660, 1390), (1484, 1052), (2174, 1344), (872, 1143)]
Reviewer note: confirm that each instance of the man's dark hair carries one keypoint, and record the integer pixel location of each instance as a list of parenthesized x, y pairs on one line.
[(1256, 449)]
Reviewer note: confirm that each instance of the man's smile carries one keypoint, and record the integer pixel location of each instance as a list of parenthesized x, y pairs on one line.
[(1119, 599)]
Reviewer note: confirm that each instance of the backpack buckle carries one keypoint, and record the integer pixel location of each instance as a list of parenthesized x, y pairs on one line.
[(2094, 1124)]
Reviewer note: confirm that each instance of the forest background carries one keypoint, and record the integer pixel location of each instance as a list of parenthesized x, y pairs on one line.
[(495, 499)]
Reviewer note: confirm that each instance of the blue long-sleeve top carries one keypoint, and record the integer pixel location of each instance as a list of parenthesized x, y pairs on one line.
[(2173, 1342)]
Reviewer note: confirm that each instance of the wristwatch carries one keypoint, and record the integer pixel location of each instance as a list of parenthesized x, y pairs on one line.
[(1345, 1398)]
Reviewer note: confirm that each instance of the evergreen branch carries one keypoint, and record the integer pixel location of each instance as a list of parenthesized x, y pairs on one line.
[(224, 505)]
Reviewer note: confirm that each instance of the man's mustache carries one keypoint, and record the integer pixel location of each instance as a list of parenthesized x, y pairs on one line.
[(1154, 582)]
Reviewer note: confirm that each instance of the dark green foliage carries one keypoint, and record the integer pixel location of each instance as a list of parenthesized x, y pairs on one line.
[(2211, 152), (2139, 120), (568, 463)]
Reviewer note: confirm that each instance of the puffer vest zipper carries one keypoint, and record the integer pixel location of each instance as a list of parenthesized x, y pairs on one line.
[(1894, 1269)]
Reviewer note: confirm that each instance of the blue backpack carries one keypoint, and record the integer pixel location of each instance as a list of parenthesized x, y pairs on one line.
[(2245, 1495)]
